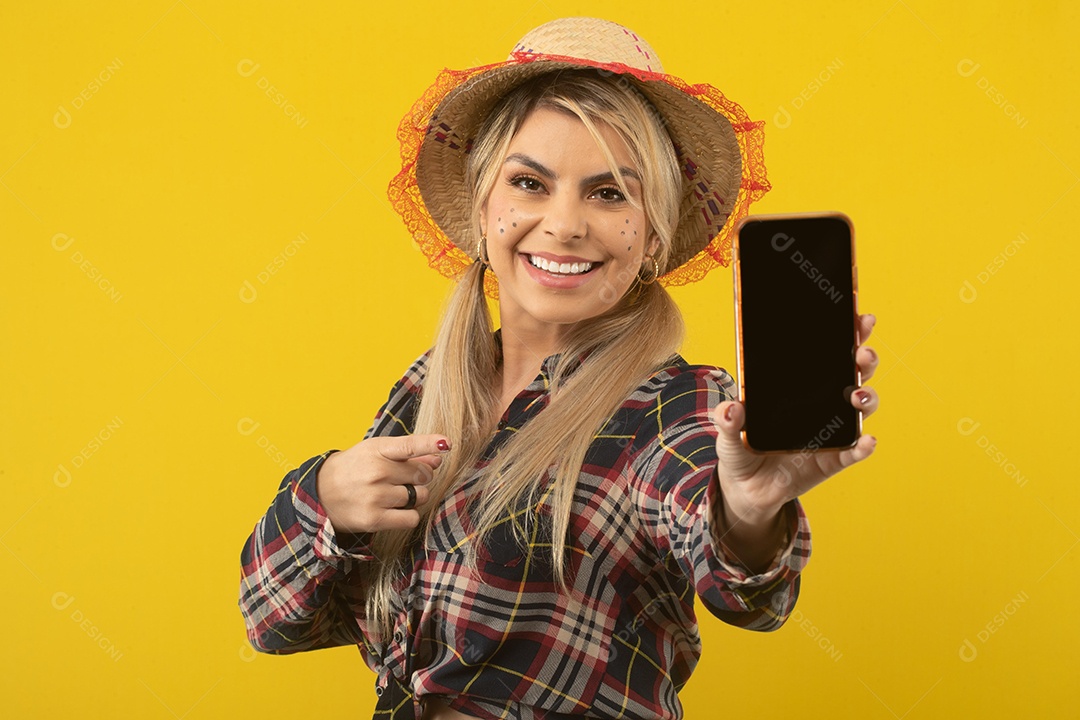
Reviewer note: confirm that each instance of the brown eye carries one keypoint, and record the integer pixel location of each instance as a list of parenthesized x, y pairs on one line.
[(610, 194), (527, 183)]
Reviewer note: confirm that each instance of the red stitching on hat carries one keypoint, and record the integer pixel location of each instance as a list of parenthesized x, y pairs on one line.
[(745, 126), (688, 165)]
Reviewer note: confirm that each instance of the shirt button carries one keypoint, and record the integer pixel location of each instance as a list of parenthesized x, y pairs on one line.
[(502, 424), (378, 691), (399, 636)]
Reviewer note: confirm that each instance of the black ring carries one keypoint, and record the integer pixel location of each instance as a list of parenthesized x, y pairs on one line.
[(411, 503)]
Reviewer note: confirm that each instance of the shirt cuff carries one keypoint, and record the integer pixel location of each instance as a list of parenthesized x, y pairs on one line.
[(790, 559), (329, 545)]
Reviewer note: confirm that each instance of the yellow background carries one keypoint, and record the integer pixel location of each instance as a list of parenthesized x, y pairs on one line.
[(135, 229)]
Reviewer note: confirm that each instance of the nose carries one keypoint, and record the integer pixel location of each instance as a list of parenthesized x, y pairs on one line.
[(566, 217)]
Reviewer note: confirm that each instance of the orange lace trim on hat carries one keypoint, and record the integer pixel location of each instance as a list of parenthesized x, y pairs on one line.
[(450, 261)]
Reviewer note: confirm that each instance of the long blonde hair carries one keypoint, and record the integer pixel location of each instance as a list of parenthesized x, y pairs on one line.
[(637, 336)]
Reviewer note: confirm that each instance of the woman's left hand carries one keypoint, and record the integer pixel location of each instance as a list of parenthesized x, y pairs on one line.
[(755, 487)]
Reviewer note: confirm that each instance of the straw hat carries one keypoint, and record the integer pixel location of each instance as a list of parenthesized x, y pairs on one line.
[(719, 148)]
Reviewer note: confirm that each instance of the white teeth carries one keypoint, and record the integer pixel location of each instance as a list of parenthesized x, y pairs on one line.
[(564, 269)]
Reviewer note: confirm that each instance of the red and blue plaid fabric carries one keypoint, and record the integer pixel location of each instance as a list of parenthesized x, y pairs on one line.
[(507, 644)]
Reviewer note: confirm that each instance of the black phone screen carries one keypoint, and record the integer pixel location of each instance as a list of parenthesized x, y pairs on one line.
[(796, 300)]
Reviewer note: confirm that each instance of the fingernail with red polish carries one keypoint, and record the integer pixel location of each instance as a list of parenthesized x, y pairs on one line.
[(862, 396), (443, 446)]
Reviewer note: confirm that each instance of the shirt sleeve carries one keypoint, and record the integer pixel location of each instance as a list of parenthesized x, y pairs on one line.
[(671, 476), (295, 592), (302, 585)]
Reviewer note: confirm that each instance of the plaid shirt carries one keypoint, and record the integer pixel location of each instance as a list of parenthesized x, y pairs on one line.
[(509, 645)]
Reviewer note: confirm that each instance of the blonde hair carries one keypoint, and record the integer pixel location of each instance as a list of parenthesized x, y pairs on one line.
[(637, 336)]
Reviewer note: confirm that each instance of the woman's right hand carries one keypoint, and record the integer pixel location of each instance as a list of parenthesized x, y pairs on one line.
[(362, 489)]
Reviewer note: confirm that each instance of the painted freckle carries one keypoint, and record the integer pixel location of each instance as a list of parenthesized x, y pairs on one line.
[(628, 221), (502, 230), (515, 224)]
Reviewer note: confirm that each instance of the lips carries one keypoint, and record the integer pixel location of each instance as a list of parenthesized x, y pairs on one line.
[(557, 281)]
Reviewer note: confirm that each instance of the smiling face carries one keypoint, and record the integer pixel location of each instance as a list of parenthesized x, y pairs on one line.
[(555, 198)]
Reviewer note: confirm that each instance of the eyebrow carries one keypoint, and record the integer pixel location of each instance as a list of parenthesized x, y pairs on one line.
[(552, 175), (608, 177), (532, 165)]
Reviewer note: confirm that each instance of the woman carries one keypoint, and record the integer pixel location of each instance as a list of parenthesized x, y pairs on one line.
[(524, 528)]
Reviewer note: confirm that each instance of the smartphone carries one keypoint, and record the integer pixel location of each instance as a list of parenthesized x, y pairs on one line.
[(796, 320)]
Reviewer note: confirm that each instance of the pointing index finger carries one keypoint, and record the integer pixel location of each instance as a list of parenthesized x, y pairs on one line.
[(407, 447)]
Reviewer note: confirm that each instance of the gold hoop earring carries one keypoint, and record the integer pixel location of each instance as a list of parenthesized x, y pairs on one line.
[(656, 273), (481, 251)]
